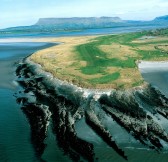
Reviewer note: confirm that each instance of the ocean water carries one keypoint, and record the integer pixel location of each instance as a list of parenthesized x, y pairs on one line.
[(114, 30), (15, 142), (14, 130)]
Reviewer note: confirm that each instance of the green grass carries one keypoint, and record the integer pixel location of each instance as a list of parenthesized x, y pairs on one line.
[(159, 32), (97, 61), (149, 55), (105, 79), (138, 83)]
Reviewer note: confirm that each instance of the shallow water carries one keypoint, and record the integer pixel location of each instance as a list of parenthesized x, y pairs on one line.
[(14, 134), (10, 54), (135, 151), (156, 73), (15, 145)]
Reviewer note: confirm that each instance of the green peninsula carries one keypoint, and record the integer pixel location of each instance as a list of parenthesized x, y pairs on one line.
[(108, 61)]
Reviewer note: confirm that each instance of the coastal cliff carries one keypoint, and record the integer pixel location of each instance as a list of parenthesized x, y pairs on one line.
[(50, 100)]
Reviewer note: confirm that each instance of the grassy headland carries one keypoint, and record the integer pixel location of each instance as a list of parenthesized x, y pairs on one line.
[(103, 61)]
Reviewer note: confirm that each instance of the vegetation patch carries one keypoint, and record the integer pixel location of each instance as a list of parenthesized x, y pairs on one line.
[(105, 79), (104, 61)]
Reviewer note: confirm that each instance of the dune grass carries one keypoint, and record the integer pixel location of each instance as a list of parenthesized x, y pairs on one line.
[(103, 61)]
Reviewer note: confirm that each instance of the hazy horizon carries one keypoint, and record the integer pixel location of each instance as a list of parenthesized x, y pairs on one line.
[(27, 12)]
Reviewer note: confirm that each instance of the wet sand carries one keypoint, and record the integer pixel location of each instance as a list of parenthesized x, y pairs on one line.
[(156, 73)]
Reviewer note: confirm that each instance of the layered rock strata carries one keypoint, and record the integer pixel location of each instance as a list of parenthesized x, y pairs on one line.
[(54, 101)]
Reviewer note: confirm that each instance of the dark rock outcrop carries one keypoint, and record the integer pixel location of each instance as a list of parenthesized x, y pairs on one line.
[(63, 104), (62, 111), (38, 117)]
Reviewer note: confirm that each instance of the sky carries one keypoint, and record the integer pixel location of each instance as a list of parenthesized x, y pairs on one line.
[(27, 12)]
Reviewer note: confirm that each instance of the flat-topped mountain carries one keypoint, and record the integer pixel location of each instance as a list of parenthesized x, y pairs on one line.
[(79, 22)]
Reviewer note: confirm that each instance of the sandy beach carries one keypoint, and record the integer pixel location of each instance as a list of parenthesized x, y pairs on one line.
[(149, 66)]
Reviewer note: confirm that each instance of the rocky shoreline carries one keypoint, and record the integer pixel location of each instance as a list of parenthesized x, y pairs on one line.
[(46, 100)]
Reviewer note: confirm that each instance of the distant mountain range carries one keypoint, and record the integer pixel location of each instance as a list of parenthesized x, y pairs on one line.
[(161, 18), (78, 20), (51, 25), (92, 22)]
